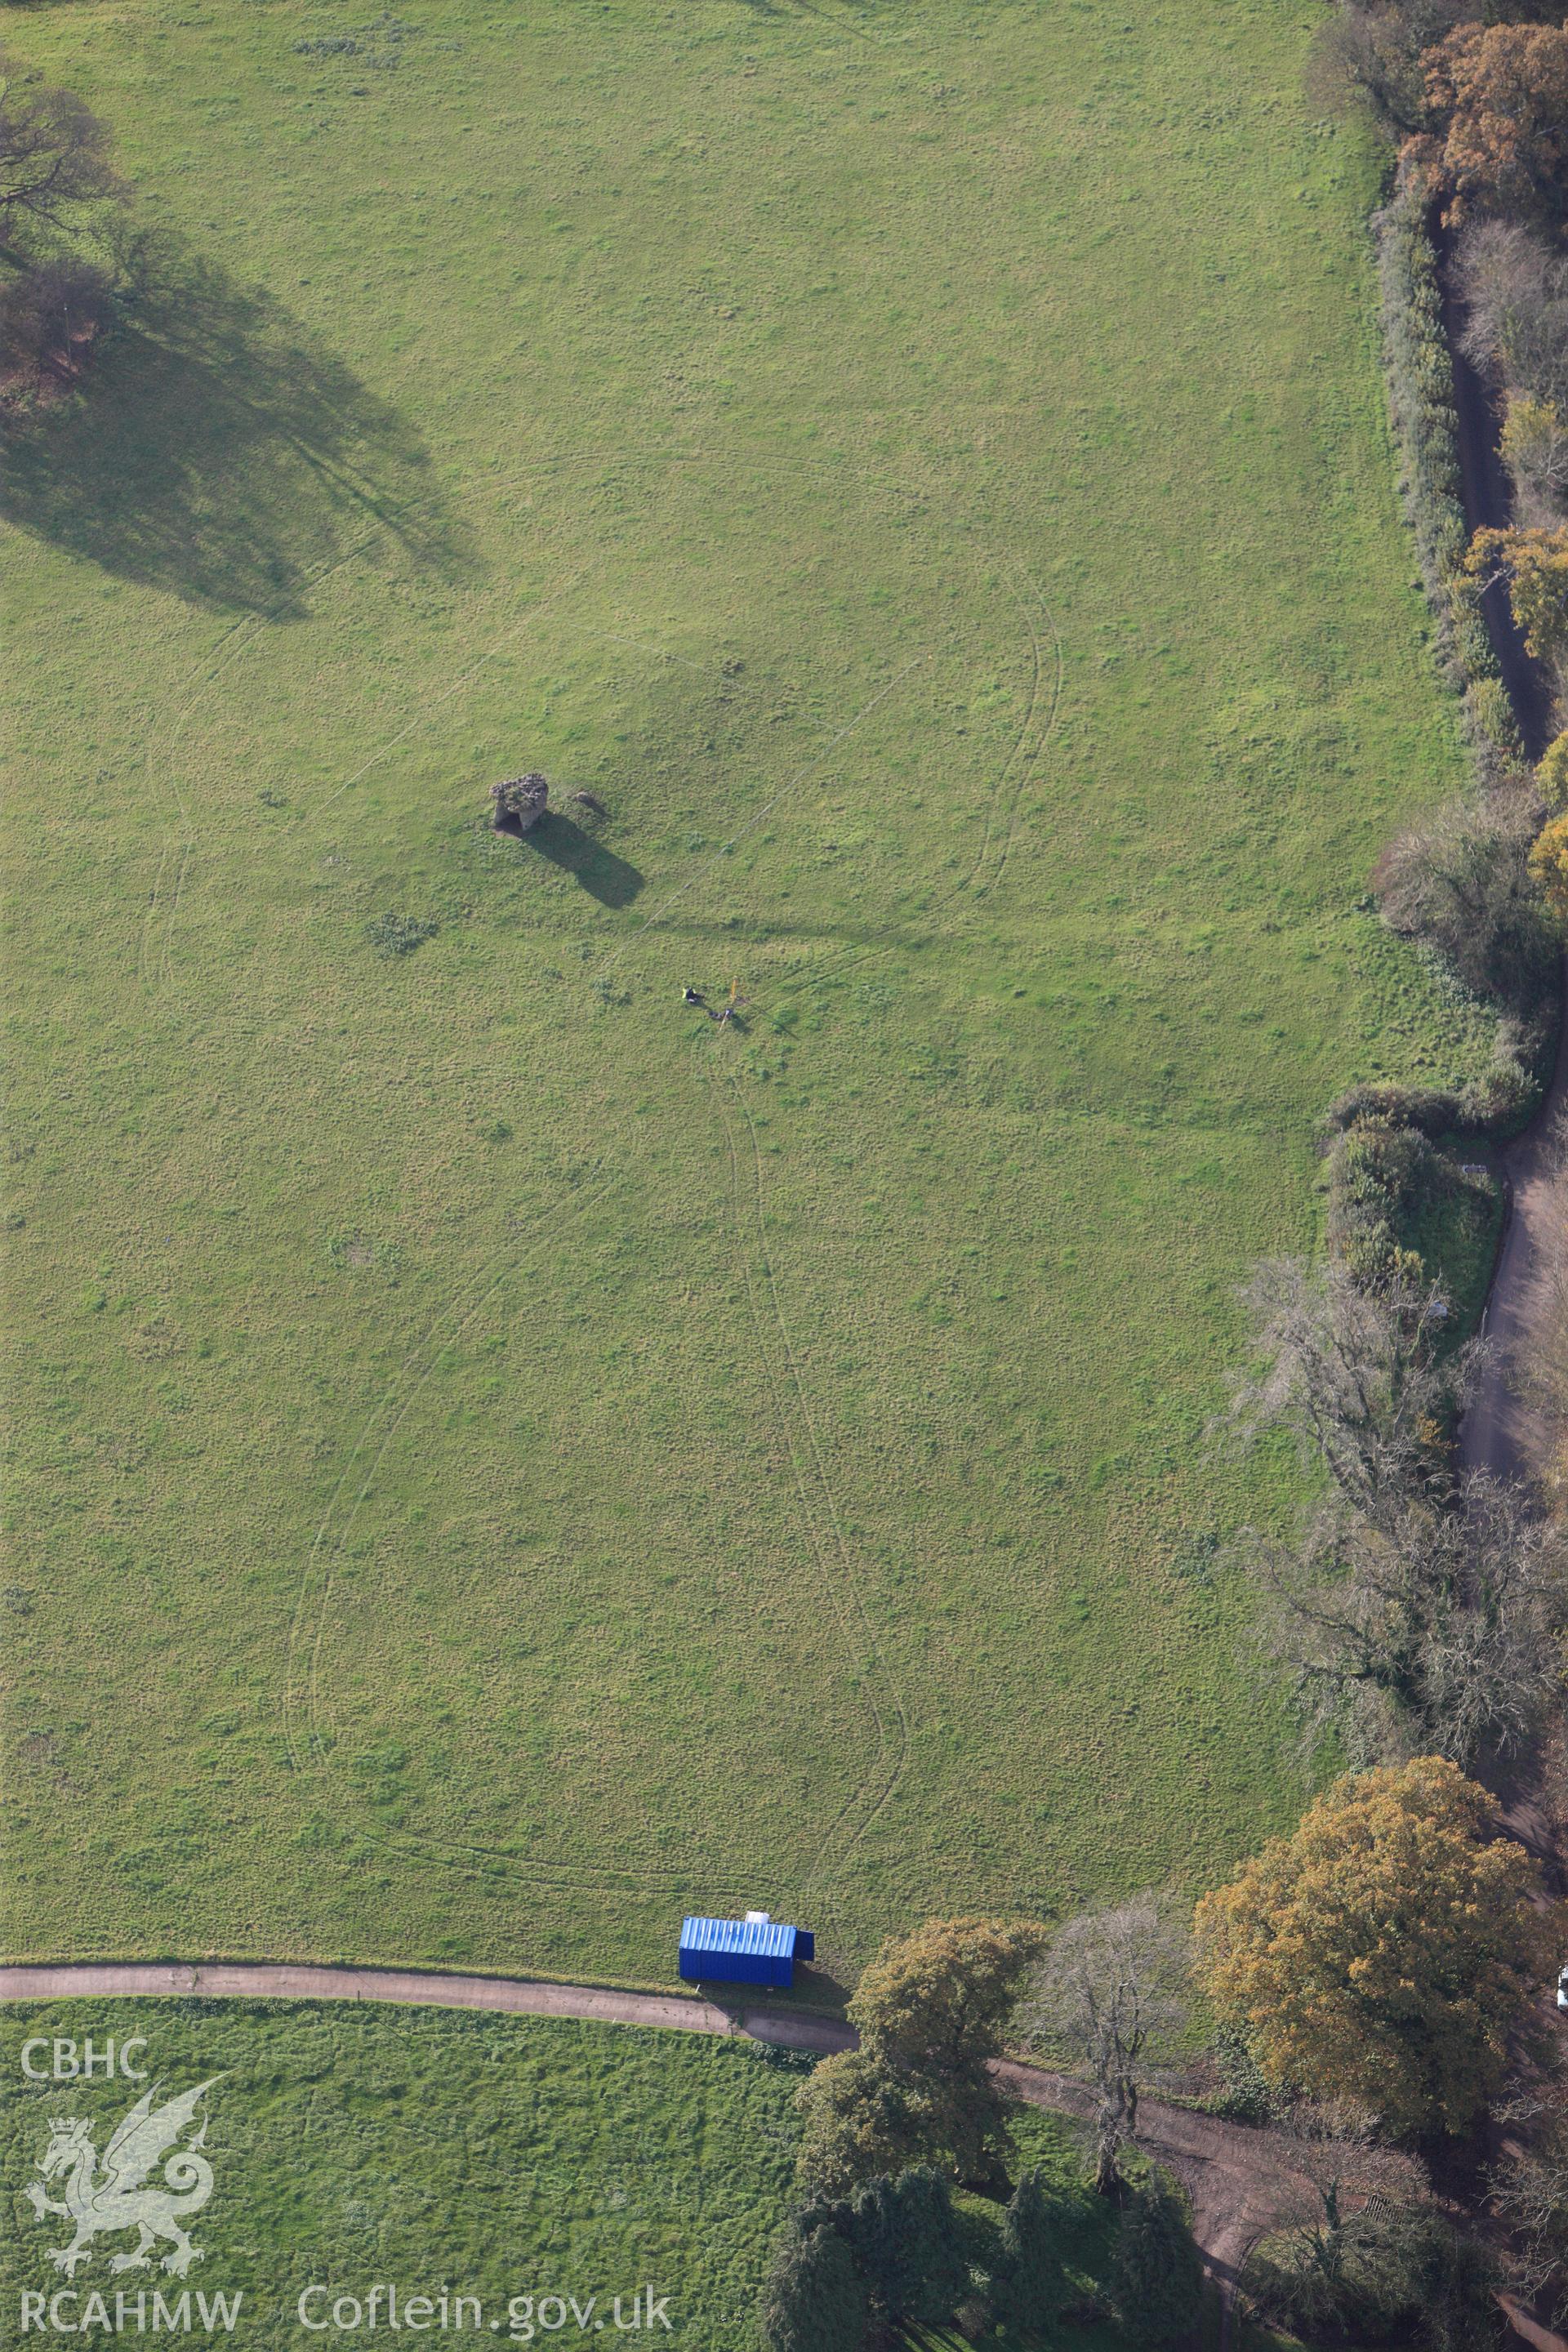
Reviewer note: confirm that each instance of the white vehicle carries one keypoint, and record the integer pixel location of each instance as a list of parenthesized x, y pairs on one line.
[(1563, 1988)]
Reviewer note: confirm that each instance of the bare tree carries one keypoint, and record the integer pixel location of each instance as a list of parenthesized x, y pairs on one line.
[(1112, 1992), (1529, 2187), (54, 152), (1461, 882), (1541, 1371), (1425, 1628), (1362, 1379), (1333, 2257), (1376, 46), (1515, 287), (1535, 451), (1419, 1611), (1340, 2161)]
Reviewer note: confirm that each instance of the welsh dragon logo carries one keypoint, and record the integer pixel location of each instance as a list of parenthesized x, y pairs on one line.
[(102, 2199)]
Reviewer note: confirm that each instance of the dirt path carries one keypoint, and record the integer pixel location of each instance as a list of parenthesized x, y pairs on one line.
[(1236, 2176), (1488, 499), (1496, 1432), (1239, 2178), (1494, 1436)]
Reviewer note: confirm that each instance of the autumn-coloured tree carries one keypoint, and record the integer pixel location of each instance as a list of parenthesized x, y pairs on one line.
[(935, 2002), (1549, 863), (1386, 1951), (862, 2120), (1535, 449), (1552, 775), (931, 2009), (1535, 565), (1499, 94)]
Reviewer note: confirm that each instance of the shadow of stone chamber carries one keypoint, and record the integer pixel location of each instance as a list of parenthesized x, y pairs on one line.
[(592, 867)]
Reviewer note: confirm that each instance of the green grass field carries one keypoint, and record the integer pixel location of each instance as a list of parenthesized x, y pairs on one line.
[(499, 1460), (493, 2158)]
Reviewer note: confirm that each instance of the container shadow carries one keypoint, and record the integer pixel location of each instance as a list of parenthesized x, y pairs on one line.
[(220, 452)]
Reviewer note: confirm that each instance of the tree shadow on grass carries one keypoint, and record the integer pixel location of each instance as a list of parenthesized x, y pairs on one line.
[(595, 870), (219, 452)]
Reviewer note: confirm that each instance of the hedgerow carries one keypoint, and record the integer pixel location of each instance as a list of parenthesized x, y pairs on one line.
[(1420, 372), (1383, 1134)]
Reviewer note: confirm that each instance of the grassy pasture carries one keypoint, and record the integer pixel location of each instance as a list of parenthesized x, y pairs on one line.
[(496, 2158), (498, 1459)]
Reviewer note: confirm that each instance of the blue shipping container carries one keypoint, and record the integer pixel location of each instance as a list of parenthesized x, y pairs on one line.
[(742, 1952)]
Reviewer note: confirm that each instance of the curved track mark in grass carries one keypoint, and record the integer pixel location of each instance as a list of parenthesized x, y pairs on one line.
[(166, 964), (1053, 713), (1013, 776), (786, 1392), (855, 1621), (145, 939)]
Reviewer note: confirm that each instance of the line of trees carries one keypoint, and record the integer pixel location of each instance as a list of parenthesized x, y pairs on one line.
[(1419, 1610), (1422, 1611), (1378, 1978), (1472, 94), (1486, 106)]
